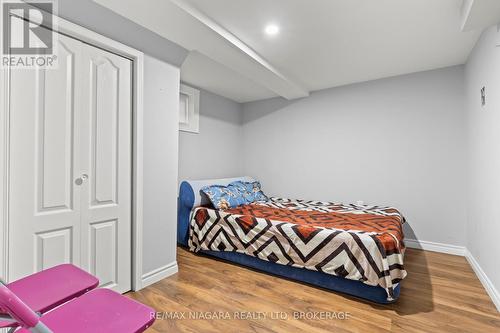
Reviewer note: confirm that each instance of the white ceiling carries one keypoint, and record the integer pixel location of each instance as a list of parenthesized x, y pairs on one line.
[(326, 43), (322, 43)]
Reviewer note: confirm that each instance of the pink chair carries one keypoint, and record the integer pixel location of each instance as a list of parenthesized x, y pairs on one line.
[(99, 311), (45, 290)]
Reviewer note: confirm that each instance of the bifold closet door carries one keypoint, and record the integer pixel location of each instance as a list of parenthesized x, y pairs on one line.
[(70, 165), (106, 165), (45, 152)]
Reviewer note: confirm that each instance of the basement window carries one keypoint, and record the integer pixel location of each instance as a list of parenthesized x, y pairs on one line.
[(189, 109)]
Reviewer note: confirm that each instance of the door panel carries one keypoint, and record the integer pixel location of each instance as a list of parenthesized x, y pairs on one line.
[(106, 197), (104, 153), (53, 247), (104, 250), (44, 206), (54, 131)]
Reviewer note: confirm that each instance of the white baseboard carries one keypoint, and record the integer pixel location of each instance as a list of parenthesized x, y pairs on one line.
[(159, 274), (487, 284), (435, 247)]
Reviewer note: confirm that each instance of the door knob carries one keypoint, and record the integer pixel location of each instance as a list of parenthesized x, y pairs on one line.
[(79, 181)]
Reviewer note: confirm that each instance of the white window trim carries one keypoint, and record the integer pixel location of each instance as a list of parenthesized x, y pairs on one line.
[(193, 109)]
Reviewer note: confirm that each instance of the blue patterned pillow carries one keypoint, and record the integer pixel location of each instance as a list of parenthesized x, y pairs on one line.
[(251, 191), (224, 197)]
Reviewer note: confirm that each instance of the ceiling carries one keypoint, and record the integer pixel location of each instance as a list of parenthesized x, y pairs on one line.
[(321, 44)]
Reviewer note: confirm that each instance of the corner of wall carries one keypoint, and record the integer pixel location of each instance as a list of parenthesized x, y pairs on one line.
[(483, 278)]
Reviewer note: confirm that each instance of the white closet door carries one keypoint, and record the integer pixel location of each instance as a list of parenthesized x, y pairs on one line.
[(70, 165), (44, 202), (106, 163)]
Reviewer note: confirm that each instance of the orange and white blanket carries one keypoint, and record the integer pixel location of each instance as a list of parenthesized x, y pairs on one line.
[(363, 243)]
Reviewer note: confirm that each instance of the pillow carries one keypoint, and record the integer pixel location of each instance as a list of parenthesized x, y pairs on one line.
[(224, 197), (251, 191)]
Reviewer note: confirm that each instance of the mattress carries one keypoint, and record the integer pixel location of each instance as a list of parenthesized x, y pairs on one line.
[(355, 242)]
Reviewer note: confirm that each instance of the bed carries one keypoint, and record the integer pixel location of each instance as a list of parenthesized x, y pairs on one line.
[(353, 249)]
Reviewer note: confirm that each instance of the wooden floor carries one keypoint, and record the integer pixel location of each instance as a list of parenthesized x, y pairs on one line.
[(440, 294)]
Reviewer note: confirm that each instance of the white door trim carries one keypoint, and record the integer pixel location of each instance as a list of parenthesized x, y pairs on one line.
[(137, 57), (4, 171)]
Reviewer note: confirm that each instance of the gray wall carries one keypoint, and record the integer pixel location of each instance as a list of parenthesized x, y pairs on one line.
[(215, 152), (161, 121), (397, 141), (483, 227)]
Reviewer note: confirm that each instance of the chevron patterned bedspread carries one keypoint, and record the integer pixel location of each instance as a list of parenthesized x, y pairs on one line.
[(363, 243)]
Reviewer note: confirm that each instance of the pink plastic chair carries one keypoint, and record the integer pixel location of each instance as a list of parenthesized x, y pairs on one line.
[(99, 311), (45, 290)]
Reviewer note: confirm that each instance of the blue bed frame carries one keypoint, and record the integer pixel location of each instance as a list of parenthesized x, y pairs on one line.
[(189, 197)]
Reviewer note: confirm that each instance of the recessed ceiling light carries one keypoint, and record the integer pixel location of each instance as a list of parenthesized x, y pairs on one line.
[(272, 29)]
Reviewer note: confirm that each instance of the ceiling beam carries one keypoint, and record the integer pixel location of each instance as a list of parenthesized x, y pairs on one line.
[(291, 89), (479, 14)]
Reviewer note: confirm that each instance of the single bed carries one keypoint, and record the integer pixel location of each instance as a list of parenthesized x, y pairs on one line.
[(353, 249)]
